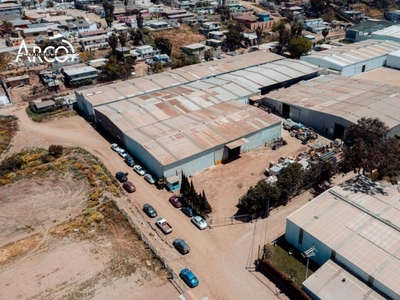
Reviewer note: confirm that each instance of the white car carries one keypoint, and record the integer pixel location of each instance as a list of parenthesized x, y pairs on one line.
[(138, 169), (122, 153), (115, 147), (199, 222), (149, 179)]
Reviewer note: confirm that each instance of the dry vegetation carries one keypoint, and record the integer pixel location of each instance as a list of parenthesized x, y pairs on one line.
[(8, 128), (184, 35), (368, 10), (93, 251)]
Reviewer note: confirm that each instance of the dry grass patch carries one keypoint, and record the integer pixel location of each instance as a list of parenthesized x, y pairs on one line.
[(8, 128), (19, 248)]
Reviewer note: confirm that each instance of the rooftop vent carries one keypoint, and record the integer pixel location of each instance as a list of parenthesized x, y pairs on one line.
[(120, 111)]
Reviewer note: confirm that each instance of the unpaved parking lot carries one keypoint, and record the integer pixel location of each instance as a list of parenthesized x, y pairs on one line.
[(218, 256)]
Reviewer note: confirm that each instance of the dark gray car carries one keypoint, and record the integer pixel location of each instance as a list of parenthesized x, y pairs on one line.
[(149, 210), (181, 246)]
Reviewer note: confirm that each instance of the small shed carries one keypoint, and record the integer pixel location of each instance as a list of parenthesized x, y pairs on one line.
[(17, 81), (173, 183), (45, 106)]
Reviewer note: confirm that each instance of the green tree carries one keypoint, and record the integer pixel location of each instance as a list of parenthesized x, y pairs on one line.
[(164, 45), (205, 206), (50, 3), (208, 55), (6, 26), (299, 46), (319, 173), (283, 36), (109, 13), (317, 6), (126, 7), (123, 38), (224, 12), (113, 42), (364, 144), (383, 4), (185, 186), (139, 20), (296, 29), (157, 67), (114, 70), (234, 36), (389, 165), (136, 36), (290, 181)]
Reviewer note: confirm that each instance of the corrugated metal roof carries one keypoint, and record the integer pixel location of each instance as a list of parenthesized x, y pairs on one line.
[(359, 221), (392, 31), (174, 77), (332, 282), (345, 97), (185, 135), (353, 53)]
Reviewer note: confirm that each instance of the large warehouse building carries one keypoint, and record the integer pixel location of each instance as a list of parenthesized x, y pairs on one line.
[(355, 231), (353, 59), (192, 118), (331, 103)]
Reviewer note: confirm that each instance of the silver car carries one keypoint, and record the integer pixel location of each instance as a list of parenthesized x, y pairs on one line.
[(149, 179), (138, 169), (199, 222)]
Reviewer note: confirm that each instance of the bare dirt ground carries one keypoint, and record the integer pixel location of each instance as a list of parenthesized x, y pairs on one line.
[(50, 200), (219, 256)]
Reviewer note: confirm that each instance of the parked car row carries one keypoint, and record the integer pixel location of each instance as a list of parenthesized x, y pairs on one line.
[(180, 244), (131, 163)]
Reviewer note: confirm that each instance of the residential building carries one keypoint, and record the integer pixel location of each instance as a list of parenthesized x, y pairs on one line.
[(216, 35), (17, 81), (159, 25), (123, 52), (197, 50), (145, 52), (77, 75), (44, 106), (354, 229), (207, 27), (97, 32), (77, 27), (94, 42), (253, 22), (10, 9), (392, 15), (315, 25)]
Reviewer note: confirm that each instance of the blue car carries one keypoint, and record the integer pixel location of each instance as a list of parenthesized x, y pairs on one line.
[(189, 278)]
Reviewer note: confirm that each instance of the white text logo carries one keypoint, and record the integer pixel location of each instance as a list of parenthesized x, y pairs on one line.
[(49, 54)]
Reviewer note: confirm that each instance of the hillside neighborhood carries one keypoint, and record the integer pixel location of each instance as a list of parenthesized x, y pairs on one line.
[(199, 149)]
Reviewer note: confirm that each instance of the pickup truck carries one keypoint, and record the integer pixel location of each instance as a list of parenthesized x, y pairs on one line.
[(164, 225)]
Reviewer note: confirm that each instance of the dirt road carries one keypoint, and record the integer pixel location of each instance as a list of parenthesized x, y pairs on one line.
[(218, 256)]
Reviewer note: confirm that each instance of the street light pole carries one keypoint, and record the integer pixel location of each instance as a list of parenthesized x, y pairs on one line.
[(308, 253)]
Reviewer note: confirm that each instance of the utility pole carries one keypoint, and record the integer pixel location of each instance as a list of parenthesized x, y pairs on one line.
[(308, 253)]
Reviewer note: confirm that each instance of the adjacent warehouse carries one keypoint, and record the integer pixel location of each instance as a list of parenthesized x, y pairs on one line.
[(194, 117), (353, 59), (355, 229), (331, 103)]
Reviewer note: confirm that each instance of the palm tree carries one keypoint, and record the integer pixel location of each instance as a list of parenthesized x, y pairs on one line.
[(259, 33), (113, 42), (325, 33), (126, 7), (7, 26), (123, 38)]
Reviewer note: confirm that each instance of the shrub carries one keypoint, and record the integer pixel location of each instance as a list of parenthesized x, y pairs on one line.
[(11, 164), (56, 150)]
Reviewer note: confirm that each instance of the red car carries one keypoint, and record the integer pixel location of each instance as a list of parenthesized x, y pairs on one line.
[(175, 201), (129, 187)]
